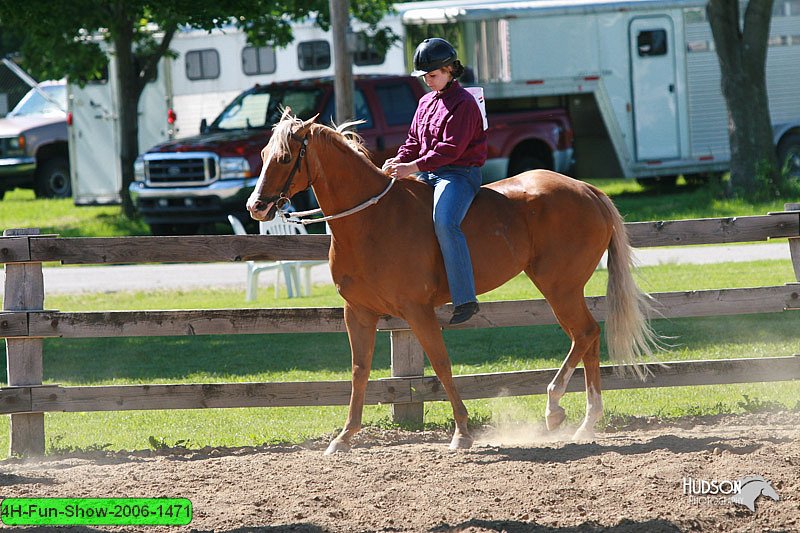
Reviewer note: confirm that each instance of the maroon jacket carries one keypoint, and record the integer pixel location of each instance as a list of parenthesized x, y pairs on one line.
[(447, 130)]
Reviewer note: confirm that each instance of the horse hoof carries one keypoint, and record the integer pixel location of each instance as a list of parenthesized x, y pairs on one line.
[(337, 446), (460, 442), (555, 417), (584, 434)]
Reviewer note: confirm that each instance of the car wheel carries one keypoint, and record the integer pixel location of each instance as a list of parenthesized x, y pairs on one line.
[(789, 156), (52, 179)]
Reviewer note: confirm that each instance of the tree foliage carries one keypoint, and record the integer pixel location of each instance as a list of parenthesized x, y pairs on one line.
[(68, 39)]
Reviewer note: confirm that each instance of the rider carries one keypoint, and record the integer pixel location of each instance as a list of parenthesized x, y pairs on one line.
[(447, 145)]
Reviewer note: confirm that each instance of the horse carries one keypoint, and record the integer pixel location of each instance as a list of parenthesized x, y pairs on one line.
[(385, 259)]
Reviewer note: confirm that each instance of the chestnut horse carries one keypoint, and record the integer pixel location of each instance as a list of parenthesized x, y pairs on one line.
[(385, 258)]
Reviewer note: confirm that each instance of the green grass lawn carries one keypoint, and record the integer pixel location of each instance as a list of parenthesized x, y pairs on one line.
[(309, 357), (20, 209)]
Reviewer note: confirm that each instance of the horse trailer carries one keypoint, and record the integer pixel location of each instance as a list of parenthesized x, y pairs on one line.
[(640, 78)]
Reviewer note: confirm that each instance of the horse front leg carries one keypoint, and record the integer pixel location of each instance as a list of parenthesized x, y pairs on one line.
[(361, 326), (425, 326)]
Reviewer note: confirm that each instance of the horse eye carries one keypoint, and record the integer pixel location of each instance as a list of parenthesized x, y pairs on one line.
[(285, 159)]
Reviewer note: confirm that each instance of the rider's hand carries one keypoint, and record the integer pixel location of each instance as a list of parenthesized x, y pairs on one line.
[(404, 170), (388, 165)]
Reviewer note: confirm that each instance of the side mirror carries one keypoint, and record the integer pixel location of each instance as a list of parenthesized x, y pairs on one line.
[(204, 126)]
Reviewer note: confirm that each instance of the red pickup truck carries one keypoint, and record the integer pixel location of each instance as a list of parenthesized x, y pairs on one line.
[(185, 183)]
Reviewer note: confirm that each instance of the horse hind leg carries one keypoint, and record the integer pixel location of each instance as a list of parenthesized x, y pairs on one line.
[(569, 306)]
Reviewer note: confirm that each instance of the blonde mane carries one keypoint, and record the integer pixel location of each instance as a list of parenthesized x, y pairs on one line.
[(279, 146)]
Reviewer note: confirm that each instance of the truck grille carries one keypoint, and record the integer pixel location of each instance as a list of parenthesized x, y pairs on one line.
[(176, 169)]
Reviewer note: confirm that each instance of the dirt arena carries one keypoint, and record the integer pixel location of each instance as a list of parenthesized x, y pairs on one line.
[(514, 479)]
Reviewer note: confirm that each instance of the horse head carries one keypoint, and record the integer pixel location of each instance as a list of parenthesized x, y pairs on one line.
[(282, 174)]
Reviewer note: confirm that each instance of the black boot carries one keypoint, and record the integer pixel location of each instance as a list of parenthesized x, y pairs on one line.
[(464, 312)]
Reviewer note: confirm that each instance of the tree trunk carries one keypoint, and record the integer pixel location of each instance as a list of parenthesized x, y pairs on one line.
[(343, 81), (128, 93), (742, 54)]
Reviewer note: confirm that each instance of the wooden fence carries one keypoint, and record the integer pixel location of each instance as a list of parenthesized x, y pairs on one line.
[(25, 323)]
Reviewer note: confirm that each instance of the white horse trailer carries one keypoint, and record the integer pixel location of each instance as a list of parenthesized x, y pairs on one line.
[(640, 78), (210, 69)]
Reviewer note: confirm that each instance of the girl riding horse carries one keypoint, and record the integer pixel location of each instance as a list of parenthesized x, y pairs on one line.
[(385, 258)]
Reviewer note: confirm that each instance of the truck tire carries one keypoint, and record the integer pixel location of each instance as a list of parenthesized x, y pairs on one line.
[(523, 163), (52, 179), (789, 155)]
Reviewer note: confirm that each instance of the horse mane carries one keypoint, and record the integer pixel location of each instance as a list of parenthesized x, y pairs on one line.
[(282, 130)]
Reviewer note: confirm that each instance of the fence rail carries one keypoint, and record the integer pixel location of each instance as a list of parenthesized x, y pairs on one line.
[(25, 323)]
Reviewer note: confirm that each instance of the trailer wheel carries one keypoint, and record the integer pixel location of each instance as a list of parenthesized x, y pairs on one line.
[(52, 179), (523, 163), (789, 156)]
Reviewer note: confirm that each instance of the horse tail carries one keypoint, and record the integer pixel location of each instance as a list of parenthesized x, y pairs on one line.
[(629, 336)]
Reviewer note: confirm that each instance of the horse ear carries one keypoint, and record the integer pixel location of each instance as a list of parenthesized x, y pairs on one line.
[(310, 121)]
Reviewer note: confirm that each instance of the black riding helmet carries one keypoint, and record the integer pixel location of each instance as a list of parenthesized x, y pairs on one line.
[(433, 54)]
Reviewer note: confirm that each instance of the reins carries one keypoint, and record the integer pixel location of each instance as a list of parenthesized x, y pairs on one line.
[(297, 217)]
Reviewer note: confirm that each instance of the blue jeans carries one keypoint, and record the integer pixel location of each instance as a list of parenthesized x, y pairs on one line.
[(454, 188)]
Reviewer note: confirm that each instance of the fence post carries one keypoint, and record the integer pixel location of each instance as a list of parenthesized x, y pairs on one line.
[(794, 242), (24, 291), (408, 359)]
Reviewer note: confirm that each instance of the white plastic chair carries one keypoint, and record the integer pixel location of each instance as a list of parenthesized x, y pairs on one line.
[(276, 226), (254, 269)]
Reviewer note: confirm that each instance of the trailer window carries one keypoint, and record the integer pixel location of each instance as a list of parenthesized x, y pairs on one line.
[(259, 60), (366, 52), (398, 103), (652, 43), (314, 55), (202, 64)]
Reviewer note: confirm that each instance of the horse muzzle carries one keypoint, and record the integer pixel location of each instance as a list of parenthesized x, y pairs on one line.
[(263, 210)]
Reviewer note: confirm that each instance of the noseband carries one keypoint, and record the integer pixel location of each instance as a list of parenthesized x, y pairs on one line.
[(282, 198)]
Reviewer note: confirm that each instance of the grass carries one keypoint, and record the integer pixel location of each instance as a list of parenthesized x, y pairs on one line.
[(20, 209), (309, 357)]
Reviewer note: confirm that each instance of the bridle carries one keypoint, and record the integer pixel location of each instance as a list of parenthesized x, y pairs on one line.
[(282, 199)]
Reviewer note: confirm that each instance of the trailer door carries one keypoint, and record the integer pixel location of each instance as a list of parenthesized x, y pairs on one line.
[(94, 161), (655, 112)]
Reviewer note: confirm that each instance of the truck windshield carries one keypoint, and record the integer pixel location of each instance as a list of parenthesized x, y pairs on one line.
[(34, 103), (261, 108)]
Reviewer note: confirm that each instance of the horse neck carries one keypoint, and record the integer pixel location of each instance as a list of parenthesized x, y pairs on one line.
[(344, 178)]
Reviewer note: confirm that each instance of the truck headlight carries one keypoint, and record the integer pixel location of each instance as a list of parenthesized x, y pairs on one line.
[(233, 168), (138, 169), (15, 146)]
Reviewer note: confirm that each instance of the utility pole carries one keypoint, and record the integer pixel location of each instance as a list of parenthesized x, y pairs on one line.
[(343, 60)]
